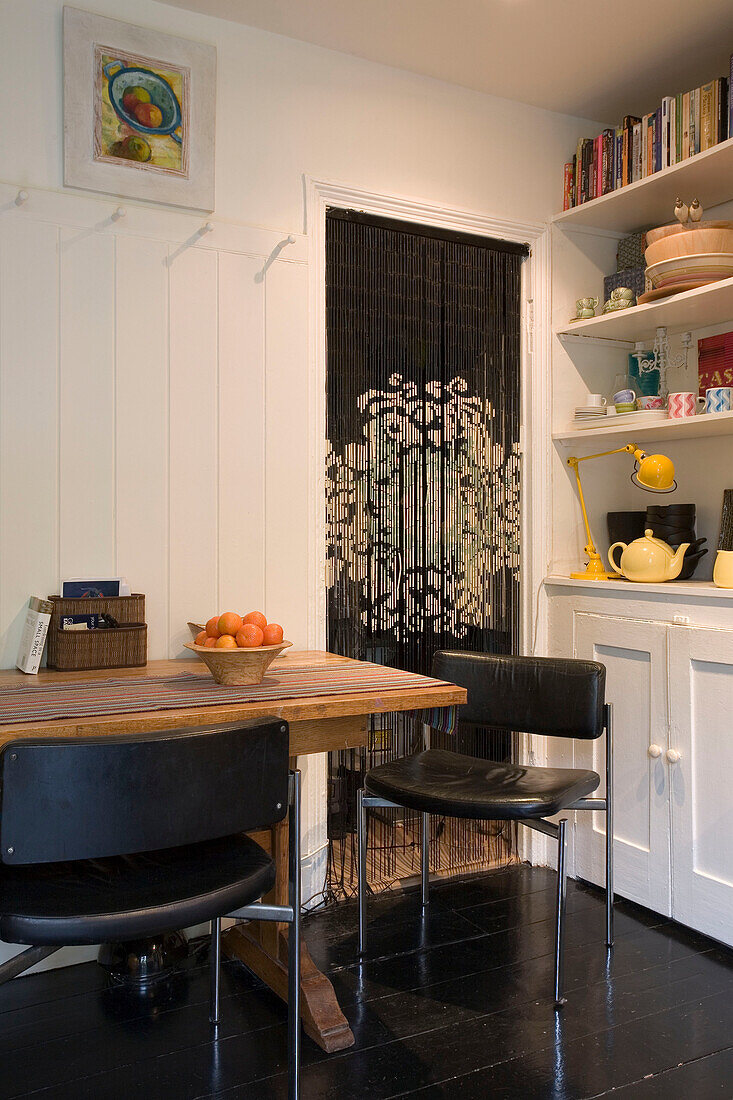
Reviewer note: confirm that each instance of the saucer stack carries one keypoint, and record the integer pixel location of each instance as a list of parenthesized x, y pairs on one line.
[(586, 414)]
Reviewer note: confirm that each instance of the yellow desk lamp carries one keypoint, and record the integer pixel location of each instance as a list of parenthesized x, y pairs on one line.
[(655, 473)]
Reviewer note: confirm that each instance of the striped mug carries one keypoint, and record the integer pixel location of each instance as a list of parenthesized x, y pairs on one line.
[(718, 399), (682, 405)]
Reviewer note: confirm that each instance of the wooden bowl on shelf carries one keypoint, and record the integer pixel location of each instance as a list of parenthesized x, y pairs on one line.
[(706, 238), (238, 667), (675, 229)]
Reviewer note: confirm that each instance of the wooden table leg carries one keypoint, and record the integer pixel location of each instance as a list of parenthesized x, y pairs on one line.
[(263, 947)]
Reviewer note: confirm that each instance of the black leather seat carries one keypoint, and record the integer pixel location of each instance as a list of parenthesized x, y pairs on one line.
[(439, 782), (115, 838), (128, 897), (545, 696)]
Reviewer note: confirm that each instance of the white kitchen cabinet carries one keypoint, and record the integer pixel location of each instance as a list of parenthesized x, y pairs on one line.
[(701, 705), (669, 666), (635, 655)]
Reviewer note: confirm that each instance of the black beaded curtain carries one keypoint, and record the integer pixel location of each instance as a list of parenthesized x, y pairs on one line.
[(423, 484)]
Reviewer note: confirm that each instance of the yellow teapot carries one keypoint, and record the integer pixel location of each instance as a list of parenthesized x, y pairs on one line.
[(648, 559)]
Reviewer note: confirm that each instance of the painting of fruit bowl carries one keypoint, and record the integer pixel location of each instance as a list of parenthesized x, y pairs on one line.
[(141, 112)]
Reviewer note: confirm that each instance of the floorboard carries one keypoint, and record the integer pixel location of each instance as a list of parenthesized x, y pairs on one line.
[(453, 1003)]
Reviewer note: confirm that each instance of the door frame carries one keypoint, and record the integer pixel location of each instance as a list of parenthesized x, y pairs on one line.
[(535, 442)]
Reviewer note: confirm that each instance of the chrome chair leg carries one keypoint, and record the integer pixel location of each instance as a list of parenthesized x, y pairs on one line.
[(560, 914), (425, 859), (294, 1034), (609, 825), (361, 884), (215, 970)]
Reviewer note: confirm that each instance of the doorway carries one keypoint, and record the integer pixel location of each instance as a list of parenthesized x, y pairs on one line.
[(423, 493)]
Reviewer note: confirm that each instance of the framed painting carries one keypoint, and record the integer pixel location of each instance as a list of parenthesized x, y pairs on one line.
[(139, 112)]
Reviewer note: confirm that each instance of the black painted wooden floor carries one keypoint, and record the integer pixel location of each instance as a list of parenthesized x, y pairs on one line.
[(456, 1007)]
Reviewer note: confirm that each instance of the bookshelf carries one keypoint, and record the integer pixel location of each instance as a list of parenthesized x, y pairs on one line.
[(650, 201)]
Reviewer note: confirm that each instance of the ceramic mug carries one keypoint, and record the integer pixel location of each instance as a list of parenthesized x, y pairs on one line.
[(595, 400), (622, 293), (718, 399), (650, 402), (624, 400), (585, 303), (682, 405)]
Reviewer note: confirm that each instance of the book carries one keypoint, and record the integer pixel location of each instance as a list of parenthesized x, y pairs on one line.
[(80, 622), (707, 114), (664, 151), (686, 125), (567, 190), (95, 587), (636, 152), (694, 122), (715, 361), (730, 98), (608, 144), (33, 638), (627, 147), (658, 139), (618, 158), (599, 165), (722, 106), (651, 126), (678, 128)]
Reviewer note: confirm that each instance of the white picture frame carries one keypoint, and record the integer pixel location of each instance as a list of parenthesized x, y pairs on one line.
[(167, 154)]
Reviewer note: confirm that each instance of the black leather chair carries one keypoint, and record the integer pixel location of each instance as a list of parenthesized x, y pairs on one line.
[(536, 695), (121, 837)]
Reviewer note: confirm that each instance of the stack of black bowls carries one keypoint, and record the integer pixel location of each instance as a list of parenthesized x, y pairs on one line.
[(675, 524)]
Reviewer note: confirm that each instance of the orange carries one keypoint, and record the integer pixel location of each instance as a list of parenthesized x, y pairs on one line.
[(212, 627), (250, 636), (210, 643), (225, 642), (230, 623), (200, 638), (257, 618), (273, 634)]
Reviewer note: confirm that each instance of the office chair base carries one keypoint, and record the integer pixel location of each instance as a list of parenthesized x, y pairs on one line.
[(139, 964)]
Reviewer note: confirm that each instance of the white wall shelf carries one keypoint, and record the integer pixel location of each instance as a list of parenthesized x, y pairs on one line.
[(693, 309), (650, 201), (673, 590), (693, 427)]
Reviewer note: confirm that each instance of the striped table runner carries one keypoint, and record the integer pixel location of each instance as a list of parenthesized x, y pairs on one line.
[(36, 702)]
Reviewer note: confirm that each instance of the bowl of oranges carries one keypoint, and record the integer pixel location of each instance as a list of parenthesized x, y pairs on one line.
[(238, 649)]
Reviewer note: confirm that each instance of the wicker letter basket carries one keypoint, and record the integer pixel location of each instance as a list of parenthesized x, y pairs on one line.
[(125, 646)]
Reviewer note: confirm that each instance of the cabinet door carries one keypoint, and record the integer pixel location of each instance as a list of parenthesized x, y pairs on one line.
[(635, 655), (701, 698)]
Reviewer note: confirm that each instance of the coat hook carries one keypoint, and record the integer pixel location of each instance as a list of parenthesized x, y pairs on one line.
[(120, 212), (21, 197), (291, 239), (207, 227)]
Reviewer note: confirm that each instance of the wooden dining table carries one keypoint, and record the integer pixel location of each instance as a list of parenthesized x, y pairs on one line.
[(318, 723)]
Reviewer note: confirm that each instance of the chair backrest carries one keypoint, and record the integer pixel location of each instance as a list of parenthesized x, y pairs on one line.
[(551, 696), (90, 797)]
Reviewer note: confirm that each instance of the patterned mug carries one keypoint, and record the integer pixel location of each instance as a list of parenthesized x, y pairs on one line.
[(644, 402), (682, 405), (718, 399)]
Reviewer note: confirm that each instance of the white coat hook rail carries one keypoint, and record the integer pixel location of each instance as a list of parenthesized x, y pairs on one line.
[(119, 213), (21, 198), (207, 227)]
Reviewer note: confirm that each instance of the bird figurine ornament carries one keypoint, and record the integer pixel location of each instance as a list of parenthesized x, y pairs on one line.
[(695, 211), (681, 211)]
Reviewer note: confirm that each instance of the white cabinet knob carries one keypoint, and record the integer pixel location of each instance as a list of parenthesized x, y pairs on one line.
[(655, 751), (673, 756)]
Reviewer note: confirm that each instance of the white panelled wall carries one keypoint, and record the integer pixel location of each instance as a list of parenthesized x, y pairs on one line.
[(153, 422)]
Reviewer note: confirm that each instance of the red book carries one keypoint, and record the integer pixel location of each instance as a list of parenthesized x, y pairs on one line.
[(715, 361), (568, 186)]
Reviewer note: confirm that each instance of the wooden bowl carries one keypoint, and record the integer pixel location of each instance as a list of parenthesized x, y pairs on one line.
[(703, 269), (238, 667), (705, 240), (676, 228)]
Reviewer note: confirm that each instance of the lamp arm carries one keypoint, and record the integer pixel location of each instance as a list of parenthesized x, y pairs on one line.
[(573, 462)]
